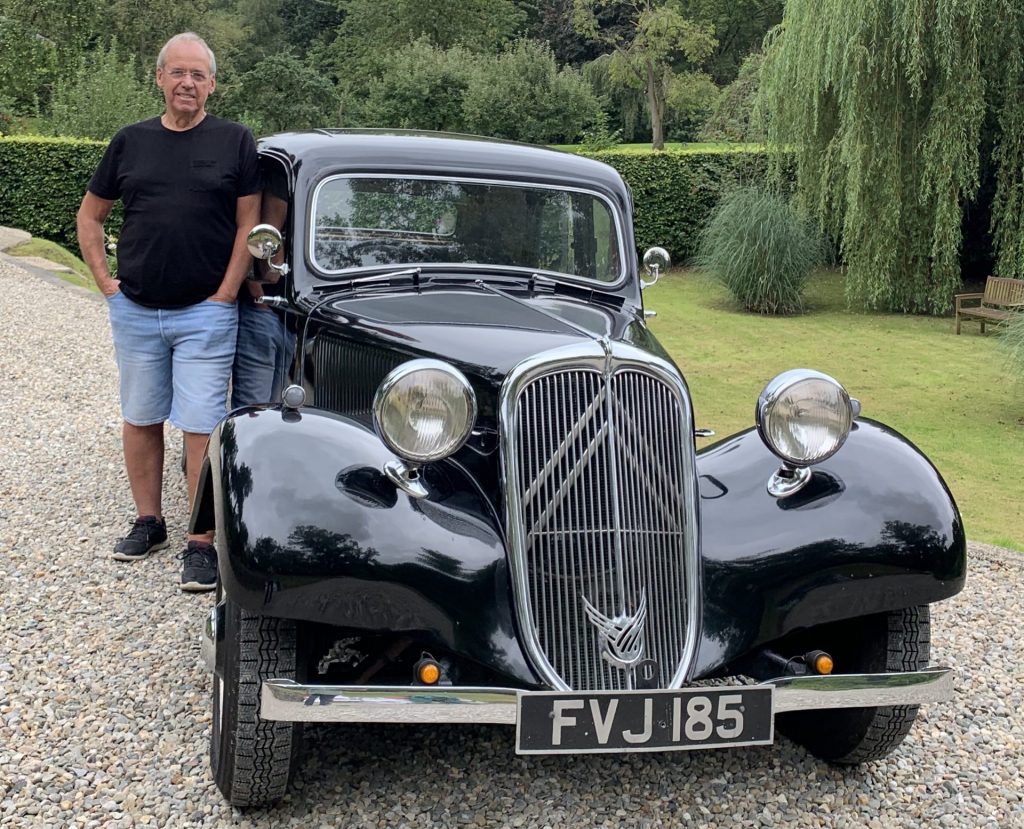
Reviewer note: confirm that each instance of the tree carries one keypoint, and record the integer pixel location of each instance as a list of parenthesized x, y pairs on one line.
[(422, 88), (102, 95), (28, 67), (884, 107), (522, 95), (553, 23), (519, 94), (739, 26), (736, 116), (648, 53), (371, 31), (282, 93), (143, 26), (305, 21)]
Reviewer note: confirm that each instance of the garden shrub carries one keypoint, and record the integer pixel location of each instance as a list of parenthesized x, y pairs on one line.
[(1011, 342), (762, 249), (43, 182)]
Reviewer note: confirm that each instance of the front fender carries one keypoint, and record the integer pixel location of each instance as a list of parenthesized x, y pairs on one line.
[(875, 530), (309, 528)]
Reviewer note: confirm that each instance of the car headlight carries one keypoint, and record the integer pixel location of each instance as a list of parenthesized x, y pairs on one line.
[(804, 416), (424, 410)]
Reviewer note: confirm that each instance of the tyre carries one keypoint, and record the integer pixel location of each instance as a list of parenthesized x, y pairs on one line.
[(252, 760), (896, 641)]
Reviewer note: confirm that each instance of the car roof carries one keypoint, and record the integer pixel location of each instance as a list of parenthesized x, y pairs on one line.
[(421, 152)]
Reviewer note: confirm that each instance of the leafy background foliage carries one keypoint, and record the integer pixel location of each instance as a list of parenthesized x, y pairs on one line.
[(674, 192), (885, 104), (906, 120), (102, 95)]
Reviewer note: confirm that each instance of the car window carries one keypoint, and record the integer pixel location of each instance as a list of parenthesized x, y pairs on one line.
[(364, 221)]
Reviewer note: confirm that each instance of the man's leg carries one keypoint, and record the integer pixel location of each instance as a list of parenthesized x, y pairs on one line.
[(144, 459), (144, 365), (257, 353), (195, 450), (204, 349)]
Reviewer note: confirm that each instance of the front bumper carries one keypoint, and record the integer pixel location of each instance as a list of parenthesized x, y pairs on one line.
[(282, 699)]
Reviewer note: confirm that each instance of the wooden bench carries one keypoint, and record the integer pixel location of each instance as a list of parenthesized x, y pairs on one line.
[(1001, 299)]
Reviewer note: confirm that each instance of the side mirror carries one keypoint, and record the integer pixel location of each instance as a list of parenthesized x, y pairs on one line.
[(655, 261), (264, 241)]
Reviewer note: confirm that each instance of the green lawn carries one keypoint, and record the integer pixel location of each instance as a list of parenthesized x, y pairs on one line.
[(950, 395), (80, 274)]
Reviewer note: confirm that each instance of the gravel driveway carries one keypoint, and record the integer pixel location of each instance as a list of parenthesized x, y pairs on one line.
[(104, 707)]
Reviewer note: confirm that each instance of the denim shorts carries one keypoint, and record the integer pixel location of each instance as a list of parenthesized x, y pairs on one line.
[(175, 363), (263, 357)]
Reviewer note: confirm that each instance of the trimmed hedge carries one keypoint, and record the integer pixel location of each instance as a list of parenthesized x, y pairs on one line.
[(674, 192), (43, 182)]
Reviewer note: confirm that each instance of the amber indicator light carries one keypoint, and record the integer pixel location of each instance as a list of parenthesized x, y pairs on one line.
[(429, 673), (823, 663)]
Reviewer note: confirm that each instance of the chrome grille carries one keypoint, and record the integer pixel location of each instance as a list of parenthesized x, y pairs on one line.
[(347, 374), (601, 508)]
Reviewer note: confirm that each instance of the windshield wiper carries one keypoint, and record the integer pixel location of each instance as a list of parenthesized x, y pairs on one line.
[(325, 292), (536, 308), (374, 281)]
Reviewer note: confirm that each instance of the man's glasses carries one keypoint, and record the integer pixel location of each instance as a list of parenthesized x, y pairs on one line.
[(197, 76)]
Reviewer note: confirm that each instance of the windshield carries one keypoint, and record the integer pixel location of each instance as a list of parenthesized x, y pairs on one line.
[(366, 221)]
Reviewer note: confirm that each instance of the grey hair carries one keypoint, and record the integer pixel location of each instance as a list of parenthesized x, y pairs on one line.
[(161, 59)]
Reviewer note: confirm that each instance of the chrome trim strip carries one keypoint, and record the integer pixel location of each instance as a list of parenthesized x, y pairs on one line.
[(801, 693), (612, 210), (603, 359), (284, 700)]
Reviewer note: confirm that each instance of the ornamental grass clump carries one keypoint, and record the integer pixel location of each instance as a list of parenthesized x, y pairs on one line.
[(761, 249), (1012, 344)]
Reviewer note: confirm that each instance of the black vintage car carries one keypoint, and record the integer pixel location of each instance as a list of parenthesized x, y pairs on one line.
[(481, 501)]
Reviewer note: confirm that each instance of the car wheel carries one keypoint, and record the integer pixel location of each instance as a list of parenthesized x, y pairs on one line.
[(896, 641), (252, 759)]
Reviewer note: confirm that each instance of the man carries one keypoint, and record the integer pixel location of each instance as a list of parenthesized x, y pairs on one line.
[(190, 186), (265, 348)]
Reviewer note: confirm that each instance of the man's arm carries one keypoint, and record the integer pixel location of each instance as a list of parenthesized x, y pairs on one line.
[(247, 215), (92, 213)]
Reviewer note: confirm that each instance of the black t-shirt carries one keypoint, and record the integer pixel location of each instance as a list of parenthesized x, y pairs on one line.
[(180, 191)]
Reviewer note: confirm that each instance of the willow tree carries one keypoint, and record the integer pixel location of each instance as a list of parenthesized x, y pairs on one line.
[(889, 108)]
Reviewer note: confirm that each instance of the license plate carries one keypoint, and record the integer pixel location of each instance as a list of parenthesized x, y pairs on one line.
[(557, 722)]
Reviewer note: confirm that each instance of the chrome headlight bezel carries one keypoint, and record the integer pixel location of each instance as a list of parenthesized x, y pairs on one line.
[(457, 431), (786, 384)]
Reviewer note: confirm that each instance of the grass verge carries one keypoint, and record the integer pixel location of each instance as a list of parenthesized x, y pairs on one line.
[(950, 395), (79, 275)]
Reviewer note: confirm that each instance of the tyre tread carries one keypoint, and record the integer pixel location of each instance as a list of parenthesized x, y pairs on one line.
[(264, 751), (908, 648)]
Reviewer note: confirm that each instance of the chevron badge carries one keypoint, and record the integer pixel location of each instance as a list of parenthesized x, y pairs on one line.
[(622, 637)]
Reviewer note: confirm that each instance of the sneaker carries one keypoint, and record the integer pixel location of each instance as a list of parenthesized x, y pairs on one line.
[(198, 567), (147, 534)]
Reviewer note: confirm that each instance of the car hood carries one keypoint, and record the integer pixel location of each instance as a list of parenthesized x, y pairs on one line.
[(478, 328)]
